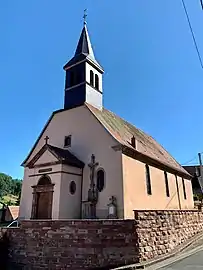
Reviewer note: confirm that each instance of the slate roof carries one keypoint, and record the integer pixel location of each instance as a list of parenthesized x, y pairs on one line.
[(84, 45), (123, 131), (84, 51), (63, 155)]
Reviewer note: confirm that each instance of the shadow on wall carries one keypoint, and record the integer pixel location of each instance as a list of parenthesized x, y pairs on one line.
[(4, 251)]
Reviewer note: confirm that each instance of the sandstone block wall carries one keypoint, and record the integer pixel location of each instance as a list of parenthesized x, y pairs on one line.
[(73, 244), (93, 244), (159, 232)]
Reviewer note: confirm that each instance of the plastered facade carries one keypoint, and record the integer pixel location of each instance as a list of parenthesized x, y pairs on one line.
[(88, 137), (135, 189)]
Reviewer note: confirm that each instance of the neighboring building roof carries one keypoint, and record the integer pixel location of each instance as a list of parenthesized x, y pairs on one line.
[(193, 170), (61, 154), (14, 211), (123, 131)]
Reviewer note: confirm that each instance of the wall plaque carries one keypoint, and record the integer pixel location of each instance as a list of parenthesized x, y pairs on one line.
[(45, 170)]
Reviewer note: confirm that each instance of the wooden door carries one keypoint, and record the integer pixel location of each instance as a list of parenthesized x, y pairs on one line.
[(43, 203)]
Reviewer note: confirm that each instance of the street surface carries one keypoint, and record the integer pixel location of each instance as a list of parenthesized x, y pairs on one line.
[(192, 262)]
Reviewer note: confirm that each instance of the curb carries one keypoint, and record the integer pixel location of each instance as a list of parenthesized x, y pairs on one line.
[(168, 258), (173, 260)]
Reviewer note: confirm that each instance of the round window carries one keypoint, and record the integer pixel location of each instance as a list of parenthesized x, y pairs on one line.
[(100, 180), (72, 187)]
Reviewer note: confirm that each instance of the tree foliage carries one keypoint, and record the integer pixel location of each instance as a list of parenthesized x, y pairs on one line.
[(8, 185)]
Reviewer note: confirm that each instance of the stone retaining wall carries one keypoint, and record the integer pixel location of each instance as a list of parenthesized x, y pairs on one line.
[(79, 244), (159, 232), (92, 244)]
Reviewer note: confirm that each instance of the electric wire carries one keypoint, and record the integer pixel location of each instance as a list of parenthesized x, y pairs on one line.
[(195, 157), (192, 32)]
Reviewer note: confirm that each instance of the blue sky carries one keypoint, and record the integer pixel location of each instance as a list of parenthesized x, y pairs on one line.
[(152, 74)]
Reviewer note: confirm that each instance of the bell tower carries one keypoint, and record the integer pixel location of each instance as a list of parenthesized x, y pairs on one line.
[(83, 82)]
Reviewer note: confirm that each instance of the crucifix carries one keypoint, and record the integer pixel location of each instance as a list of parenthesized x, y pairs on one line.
[(85, 16), (92, 193), (46, 139)]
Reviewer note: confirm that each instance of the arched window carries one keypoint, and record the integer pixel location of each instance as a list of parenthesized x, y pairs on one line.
[(72, 187), (100, 180), (44, 180), (91, 78), (96, 81)]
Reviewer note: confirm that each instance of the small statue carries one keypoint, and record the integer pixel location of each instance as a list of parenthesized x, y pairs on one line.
[(112, 207)]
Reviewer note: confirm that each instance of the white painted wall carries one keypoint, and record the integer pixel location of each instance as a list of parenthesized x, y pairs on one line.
[(88, 137), (93, 97), (70, 203), (31, 179), (45, 158)]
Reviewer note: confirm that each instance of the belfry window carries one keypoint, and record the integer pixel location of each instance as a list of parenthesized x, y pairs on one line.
[(72, 78), (91, 78), (96, 81)]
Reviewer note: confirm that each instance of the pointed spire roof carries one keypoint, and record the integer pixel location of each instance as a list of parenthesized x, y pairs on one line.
[(84, 44), (84, 50)]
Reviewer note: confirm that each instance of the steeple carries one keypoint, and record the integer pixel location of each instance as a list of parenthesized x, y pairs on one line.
[(84, 44), (83, 75), (83, 50)]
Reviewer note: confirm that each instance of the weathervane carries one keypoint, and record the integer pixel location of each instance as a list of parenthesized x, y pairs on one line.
[(85, 16)]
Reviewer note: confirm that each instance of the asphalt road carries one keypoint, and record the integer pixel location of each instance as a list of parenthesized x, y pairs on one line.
[(192, 262)]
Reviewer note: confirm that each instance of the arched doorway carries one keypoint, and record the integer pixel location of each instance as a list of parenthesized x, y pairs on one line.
[(42, 199)]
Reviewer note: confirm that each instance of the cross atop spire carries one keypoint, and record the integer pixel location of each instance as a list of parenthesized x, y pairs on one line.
[(84, 48), (85, 16), (83, 75)]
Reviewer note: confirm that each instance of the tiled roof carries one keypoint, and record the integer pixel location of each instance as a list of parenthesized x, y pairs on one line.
[(123, 131), (14, 210)]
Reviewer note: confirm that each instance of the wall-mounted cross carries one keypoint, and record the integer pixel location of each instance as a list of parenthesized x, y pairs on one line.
[(46, 139), (92, 165), (92, 192)]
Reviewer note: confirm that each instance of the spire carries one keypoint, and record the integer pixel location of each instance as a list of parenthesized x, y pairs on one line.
[(83, 75), (84, 49), (84, 45)]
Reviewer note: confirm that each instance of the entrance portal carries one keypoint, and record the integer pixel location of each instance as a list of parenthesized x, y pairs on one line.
[(42, 199)]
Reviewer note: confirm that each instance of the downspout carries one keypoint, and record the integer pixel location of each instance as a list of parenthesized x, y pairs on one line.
[(81, 194), (178, 192)]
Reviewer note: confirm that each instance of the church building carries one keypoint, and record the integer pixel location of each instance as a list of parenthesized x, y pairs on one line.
[(89, 163)]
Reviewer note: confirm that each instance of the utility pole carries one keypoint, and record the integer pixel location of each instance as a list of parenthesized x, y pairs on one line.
[(200, 176)]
